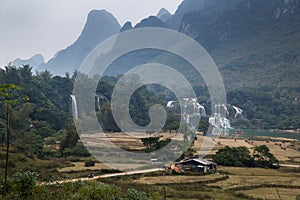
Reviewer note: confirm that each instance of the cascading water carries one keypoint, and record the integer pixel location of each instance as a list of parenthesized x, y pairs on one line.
[(238, 111), (192, 111), (201, 110), (226, 109), (74, 107), (219, 122), (97, 101), (170, 104)]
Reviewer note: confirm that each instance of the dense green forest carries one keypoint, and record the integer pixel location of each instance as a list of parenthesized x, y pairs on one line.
[(46, 115)]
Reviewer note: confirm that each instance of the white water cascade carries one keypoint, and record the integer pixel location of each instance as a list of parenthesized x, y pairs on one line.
[(238, 111), (170, 104), (201, 110), (219, 121), (74, 107), (191, 111), (97, 101)]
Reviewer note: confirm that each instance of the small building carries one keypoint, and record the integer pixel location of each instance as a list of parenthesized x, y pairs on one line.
[(197, 164)]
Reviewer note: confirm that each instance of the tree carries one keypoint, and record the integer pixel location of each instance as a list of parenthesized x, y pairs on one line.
[(6, 92), (240, 157), (150, 142), (234, 156), (263, 157), (70, 140)]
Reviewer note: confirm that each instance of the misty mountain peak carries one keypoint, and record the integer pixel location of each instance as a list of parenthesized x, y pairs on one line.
[(151, 21), (98, 15), (99, 26), (127, 26), (162, 12), (34, 61), (164, 15)]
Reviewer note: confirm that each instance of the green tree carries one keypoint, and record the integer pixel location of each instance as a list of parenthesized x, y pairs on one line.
[(70, 140), (150, 142), (234, 156), (264, 158), (6, 92)]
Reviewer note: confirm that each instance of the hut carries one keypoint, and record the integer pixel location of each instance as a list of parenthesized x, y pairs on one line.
[(197, 164)]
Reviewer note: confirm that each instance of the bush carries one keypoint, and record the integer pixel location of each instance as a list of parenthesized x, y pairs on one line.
[(133, 194), (22, 184), (11, 164), (22, 159), (89, 163), (99, 191)]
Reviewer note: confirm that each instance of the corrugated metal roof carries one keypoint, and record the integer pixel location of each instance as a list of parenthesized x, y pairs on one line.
[(199, 160)]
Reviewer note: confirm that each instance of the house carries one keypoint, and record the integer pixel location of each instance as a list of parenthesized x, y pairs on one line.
[(196, 164)]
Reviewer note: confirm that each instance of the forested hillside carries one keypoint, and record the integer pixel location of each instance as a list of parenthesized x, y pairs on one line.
[(41, 120)]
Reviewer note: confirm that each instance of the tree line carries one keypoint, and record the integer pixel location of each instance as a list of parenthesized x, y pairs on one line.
[(241, 157)]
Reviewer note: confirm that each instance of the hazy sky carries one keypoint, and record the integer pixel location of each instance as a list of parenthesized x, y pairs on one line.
[(28, 27)]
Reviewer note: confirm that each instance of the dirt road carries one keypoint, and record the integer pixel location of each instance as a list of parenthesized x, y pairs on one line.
[(103, 176)]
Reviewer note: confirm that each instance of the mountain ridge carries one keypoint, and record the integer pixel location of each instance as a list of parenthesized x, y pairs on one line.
[(99, 26)]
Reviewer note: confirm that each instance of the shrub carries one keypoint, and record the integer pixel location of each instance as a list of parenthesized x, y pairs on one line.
[(23, 183), (89, 163), (99, 191), (22, 159), (133, 194)]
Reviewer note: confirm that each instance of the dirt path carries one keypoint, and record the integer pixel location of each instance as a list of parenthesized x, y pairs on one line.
[(292, 166), (103, 176)]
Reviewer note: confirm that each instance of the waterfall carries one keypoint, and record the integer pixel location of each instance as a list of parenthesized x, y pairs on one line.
[(170, 104), (227, 123), (74, 107), (238, 111), (226, 109), (97, 99), (219, 121), (201, 110), (192, 111)]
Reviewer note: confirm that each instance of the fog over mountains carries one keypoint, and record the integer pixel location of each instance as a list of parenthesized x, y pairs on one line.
[(99, 26), (253, 42)]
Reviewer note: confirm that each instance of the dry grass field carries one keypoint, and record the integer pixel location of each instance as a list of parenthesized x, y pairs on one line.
[(79, 166), (175, 179), (237, 181), (281, 150), (271, 193), (249, 182)]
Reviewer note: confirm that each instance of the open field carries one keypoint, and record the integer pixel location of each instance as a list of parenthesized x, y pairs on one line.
[(254, 171), (79, 166), (282, 150), (239, 176), (238, 181), (279, 149), (241, 183), (286, 151), (271, 193), (175, 179)]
